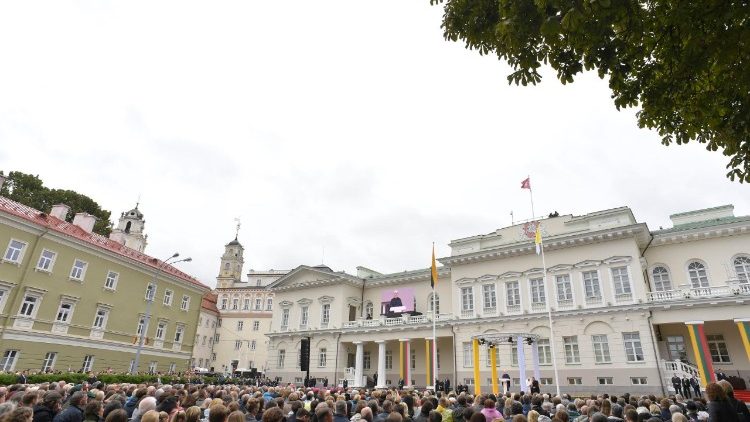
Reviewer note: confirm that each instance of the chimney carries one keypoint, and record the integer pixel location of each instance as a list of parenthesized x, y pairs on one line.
[(85, 221), (60, 211)]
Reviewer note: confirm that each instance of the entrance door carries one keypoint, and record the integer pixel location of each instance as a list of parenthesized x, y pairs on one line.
[(350, 360), (352, 313)]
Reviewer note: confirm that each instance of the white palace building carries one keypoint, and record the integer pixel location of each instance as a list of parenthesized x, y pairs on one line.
[(631, 307)]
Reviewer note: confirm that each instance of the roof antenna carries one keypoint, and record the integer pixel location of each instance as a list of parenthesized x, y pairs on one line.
[(237, 230), (138, 201)]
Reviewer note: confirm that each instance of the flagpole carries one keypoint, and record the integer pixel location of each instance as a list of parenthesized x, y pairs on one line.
[(549, 313), (531, 195), (434, 331)]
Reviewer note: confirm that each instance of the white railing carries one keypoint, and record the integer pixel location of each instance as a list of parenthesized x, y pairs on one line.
[(513, 309), (351, 324), (681, 369), (623, 297), (418, 319), (489, 312), (538, 306), (593, 300), (565, 303), (371, 323), (686, 293), (467, 313), (444, 317), (284, 328), (390, 322)]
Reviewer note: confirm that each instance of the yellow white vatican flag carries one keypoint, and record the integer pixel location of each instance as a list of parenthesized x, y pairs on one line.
[(538, 239)]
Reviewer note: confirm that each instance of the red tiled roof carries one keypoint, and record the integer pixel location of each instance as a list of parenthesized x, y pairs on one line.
[(209, 302), (95, 240)]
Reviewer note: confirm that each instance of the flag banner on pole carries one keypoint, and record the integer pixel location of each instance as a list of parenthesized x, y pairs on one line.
[(433, 272), (538, 239), (526, 184)]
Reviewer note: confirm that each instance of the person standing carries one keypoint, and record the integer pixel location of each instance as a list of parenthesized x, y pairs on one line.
[(506, 382), (720, 375), (48, 408), (677, 384), (719, 408), (686, 387)]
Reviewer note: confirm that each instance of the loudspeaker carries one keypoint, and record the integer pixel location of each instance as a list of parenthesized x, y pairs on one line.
[(304, 354)]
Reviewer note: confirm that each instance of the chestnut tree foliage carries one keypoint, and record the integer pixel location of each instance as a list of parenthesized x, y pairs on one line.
[(685, 64)]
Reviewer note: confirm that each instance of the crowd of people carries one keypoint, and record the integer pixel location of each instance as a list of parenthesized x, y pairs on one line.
[(97, 402)]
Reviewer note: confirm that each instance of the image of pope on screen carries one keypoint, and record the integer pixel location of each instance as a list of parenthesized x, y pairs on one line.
[(397, 302)]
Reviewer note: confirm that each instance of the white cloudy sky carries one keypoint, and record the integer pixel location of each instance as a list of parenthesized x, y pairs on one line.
[(350, 125)]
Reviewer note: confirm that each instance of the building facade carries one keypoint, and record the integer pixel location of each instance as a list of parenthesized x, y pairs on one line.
[(630, 308), (73, 300), (203, 350)]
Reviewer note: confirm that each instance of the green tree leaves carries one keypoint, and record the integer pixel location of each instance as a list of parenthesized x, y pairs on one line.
[(685, 64), (30, 191)]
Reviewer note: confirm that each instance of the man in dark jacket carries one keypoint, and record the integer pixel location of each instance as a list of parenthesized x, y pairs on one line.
[(48, 408), (340, 415), (74, 411), (686, 387), (677, 384)]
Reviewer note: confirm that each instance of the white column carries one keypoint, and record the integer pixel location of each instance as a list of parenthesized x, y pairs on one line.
[(521, 364), (358, 363), (381, 364)]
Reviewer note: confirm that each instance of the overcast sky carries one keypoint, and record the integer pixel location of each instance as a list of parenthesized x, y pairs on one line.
[(345, 125)]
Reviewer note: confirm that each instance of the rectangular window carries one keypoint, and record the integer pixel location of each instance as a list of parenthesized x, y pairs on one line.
[(284, 318), (237, 344), (282, 357), (303, 316), (64, 312), (514, 356), (545, 353), (240, 325), (591, 285), (258, 302), (269, 304), (28, 306), (601, 348), (152, 367), (246, 304), (413, 361), (572, 355), (48, 364), (488, 358), (213, 357), (111, 281), (100, 320), (216, 337), (468, 358), (78, 272), (322, 358), (185, 305), (325, 315), (256, 325), (168, 297), (633, 348), (604, 381), (150, 292), (253, 343), (14, 253), (223, 303), (564, 288), (88, 363), (3, 296), (575, 381), (537, 291), (141, 323), (513, 293), (718, 348), (172, 367), (161, 328), (676, 348), (46, 261), (9, 360), (489, 297), (388, 359), (638, 380), (235, 304), (622, 280), (467, 299), (366, 360), (179, 333)]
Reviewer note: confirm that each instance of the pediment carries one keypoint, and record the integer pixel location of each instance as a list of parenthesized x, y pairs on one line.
[(534, 271), (465, 280), (510, 275), (304, 276), (325, 299), (286, 304), (560, 267), (487, 277), (618, 260), (304, 301), (588, 263)]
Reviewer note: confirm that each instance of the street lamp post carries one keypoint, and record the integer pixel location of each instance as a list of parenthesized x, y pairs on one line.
[(149, 302)]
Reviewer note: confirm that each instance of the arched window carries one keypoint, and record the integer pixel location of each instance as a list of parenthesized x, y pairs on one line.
[(697, 274), (742, 268), (437, 303), (368, 309), (226, 266), (660, 276), (127, 227)]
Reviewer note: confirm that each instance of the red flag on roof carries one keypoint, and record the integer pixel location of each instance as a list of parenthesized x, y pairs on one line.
[(526, 184)]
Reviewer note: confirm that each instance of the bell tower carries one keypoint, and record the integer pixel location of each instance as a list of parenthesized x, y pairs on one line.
[(129, 230), (232, 261)]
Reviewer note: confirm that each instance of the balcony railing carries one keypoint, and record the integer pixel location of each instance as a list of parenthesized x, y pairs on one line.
[(733, 289), (467, 313), (513, 309), (594, 300), (418, 319), (538, 306), (489, 312), (390, 322), (565, 303), (623, 297)]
